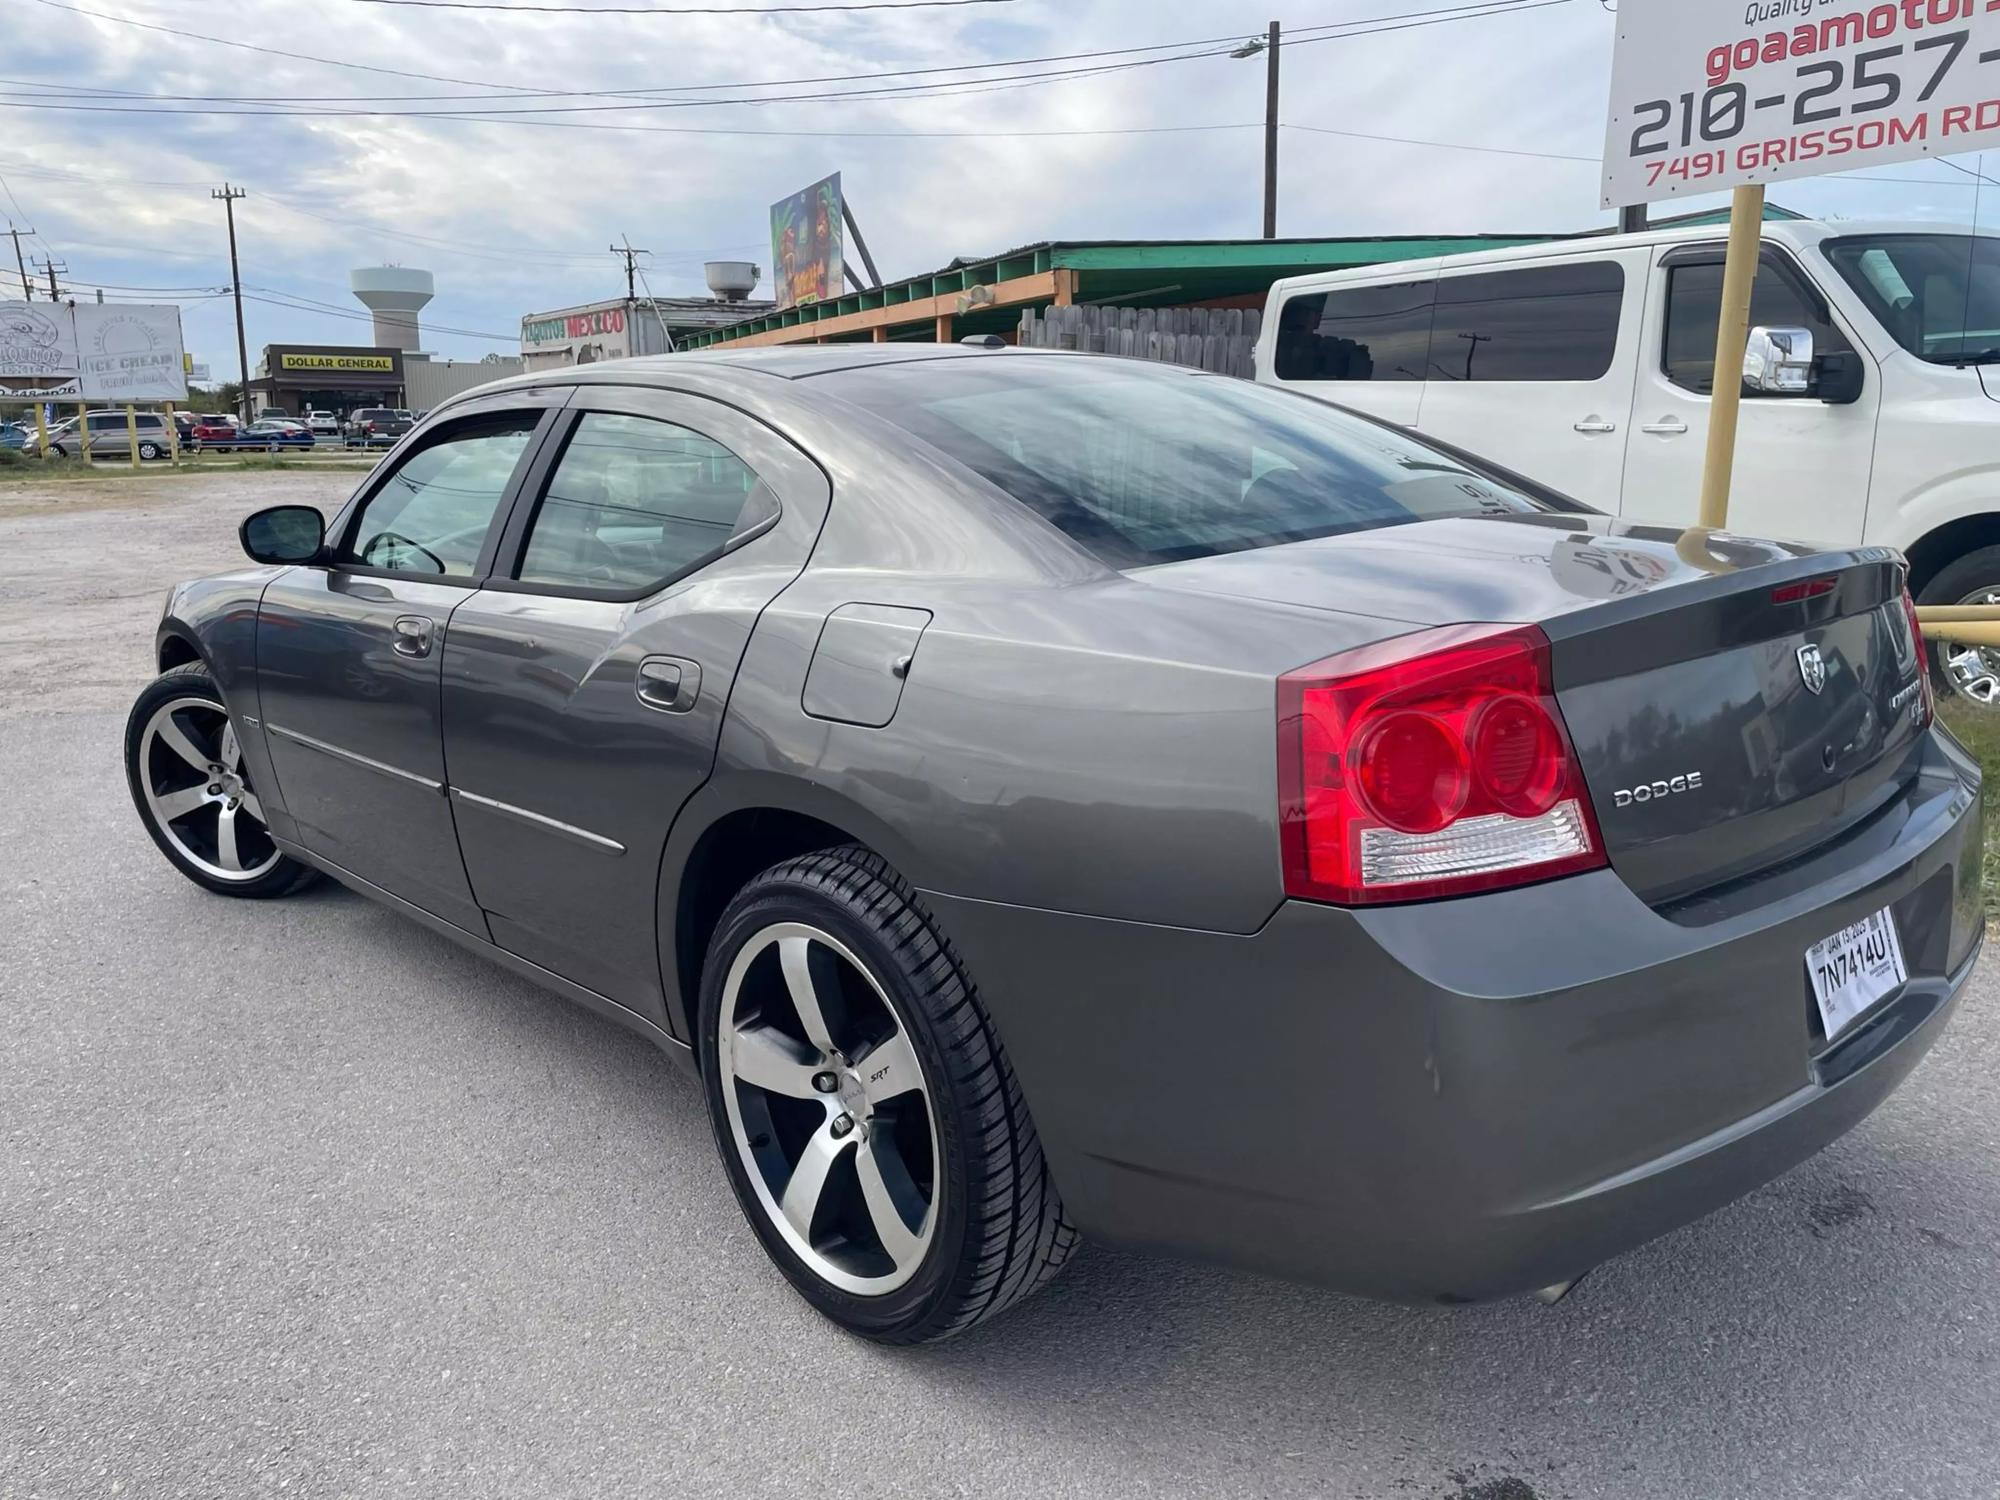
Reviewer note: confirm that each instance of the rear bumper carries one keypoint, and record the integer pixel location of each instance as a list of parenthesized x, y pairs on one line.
[(1473, 1098)]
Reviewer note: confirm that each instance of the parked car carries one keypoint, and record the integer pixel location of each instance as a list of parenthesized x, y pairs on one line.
[(323, 423), (273, 414), (1589, 362), (15, 435), (1044, 794), (215, 430), (109, 435), (270, 436), (375, 427)]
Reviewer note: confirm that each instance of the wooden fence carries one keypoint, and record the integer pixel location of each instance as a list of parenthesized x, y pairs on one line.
[(1209, 338)]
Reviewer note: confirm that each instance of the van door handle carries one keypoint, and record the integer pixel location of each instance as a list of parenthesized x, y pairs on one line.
[(413, 635), (1596, 424), (1671, 427), (670, 684)]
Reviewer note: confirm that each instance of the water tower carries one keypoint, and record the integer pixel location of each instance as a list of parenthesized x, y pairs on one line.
[(395, 294), (732, 280)]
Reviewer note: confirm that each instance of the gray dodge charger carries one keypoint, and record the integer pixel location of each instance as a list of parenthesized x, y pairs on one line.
[(1045, 795)]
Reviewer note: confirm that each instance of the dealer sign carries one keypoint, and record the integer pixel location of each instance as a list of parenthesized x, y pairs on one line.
[(1712, 94)]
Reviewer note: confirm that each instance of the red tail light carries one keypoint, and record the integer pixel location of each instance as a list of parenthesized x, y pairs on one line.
[(1431, 765), (1923, 655)]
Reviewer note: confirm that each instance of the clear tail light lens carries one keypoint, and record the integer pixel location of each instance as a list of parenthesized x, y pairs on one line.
[(1435, 764), (1923, 655)]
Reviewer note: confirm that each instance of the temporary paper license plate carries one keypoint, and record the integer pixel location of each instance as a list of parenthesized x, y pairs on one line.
[(1854, 968)]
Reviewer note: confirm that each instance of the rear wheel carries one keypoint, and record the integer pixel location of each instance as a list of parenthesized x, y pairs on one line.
[(149, 451), (184, 764), (1971, 673), (864, 1108)]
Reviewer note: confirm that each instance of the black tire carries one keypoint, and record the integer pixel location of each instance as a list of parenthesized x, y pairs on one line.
[(1976, 573), (281, 876), (149, 451), (1000, 1232)]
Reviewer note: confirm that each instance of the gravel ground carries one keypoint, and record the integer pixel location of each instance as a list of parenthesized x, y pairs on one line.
[(296, 1197)]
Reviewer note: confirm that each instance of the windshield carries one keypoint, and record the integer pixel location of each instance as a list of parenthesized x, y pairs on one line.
[(1145, 463), (1937, 294)]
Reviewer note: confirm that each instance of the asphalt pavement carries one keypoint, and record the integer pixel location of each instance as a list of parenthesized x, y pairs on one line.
[(297, 1198)]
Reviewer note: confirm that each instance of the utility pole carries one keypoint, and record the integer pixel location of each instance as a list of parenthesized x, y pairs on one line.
[(1271, 134), (631, 256), (228, 195), (27, 288), (52, 266)]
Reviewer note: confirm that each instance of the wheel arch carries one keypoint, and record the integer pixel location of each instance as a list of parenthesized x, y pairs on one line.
[(176, 648), (726, 836), (1936, 550)]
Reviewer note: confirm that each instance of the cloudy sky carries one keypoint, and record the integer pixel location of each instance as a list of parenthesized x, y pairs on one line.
[(514, 215)]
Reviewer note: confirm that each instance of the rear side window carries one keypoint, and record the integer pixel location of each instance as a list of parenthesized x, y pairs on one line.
[(1355, 333), (1144, 464), (635, 502), (1537, 323), (1694, 308)]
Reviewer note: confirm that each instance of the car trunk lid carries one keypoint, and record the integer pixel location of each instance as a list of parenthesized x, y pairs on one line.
[(1733, 703)]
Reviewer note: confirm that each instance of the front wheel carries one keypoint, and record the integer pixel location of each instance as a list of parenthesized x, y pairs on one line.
[(865, 1110), (185, 767), (1971, 673)]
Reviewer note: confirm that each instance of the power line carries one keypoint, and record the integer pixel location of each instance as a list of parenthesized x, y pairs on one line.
[(681, 10), (321, 309), (1468, 9)]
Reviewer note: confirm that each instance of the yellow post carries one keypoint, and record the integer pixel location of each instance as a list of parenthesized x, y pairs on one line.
[(132, 434), (1739, 279), (173, 436), (41, 431), (83, 432)]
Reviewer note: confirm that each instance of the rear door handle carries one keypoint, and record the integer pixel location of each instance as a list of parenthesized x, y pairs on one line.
[(1671, 427), (1595, 424), (669, 684), (413, 635)]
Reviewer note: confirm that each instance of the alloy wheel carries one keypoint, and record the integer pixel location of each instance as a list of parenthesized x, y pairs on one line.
[(191, 771), (1974, 671), (828, 1108)]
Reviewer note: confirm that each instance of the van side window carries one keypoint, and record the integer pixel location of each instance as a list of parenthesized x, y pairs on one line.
[(1694, 307), (1555, 322), (1355, 333)]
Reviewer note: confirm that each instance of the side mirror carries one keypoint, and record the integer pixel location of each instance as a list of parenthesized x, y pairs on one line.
[(284, 534), (1778, 362), (1840, 378)]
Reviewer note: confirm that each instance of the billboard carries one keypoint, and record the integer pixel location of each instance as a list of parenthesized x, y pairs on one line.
[(1713, 94), (805, 244), (130, 352), (577, 335), (37, 351)]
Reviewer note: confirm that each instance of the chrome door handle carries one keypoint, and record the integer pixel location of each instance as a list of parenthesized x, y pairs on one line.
[(1595, 424), (1672, 427), (670, 684), (413, 635)]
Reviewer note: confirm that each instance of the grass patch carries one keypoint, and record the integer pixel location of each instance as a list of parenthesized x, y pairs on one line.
[(1978, 729), (35, 471)]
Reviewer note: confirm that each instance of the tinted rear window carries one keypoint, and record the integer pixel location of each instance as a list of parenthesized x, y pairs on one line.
[(1148, 464)]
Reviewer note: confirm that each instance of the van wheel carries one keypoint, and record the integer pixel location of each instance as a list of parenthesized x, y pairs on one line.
[(1969, 673), (149, 451)]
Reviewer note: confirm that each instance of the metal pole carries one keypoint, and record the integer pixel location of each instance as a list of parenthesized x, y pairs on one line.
[(229, 195), (1271, 134), (27, 287), (854, 233), (1739, 279)]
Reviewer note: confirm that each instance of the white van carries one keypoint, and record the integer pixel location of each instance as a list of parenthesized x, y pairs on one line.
[(1873, 415)]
